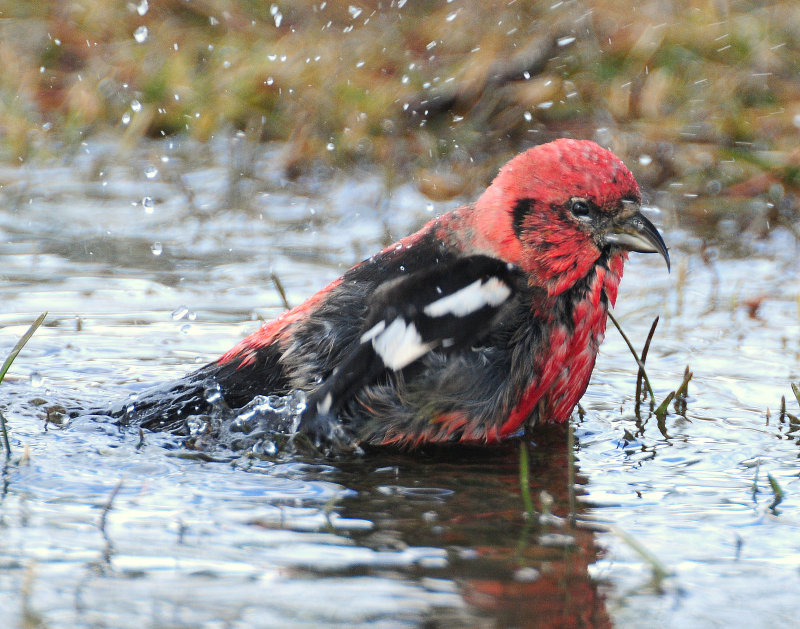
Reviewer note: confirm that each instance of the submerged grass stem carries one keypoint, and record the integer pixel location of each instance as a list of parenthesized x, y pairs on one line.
[(635, 356), (4, 370), (525, 478), (640, 375)]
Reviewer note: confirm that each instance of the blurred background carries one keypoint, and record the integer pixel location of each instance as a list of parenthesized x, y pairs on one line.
[(702, 94)]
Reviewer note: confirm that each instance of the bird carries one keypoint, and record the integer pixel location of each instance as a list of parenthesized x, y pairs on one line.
[(482, 324)]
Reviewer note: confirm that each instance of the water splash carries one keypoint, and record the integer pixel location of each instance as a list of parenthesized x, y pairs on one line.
[(262, 427), (140, 34), (276, 15)]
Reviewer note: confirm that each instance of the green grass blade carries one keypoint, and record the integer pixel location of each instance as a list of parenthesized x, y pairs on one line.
[(635, 356), (640, 375), (525, 478), (661, 411), (6, 365), (776, 491), (20, 344), (658, 570)]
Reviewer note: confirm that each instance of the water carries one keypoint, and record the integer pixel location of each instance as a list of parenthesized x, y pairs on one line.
[(99, 527)]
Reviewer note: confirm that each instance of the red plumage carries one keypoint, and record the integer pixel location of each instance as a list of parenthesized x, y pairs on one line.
[(488, 318)]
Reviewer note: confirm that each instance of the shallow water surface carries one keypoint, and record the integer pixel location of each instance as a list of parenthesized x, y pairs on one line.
[(146, 277)]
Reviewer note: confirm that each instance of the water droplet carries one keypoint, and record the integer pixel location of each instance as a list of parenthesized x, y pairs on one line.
[(142, 7), (296, 401), (157, 248), (270, 80), (451, 17), (140, 34), (545, 105), (212, 392), (404, 80), (330, 146), (126, 118), (136, 106), (353, 11), (197, 424), (645, 160), (180, 312), (150, 172), (148, 204), (527, 115), (36, 379), (429, 206), (526, 75), (565, 41), (130, 406)]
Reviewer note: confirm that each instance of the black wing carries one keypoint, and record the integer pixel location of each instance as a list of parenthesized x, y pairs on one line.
[(445, 308)]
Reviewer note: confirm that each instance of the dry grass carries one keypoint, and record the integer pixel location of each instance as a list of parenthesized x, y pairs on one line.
[(698, 90)]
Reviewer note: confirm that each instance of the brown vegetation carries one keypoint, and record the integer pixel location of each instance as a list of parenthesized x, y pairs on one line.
[(694, 91)]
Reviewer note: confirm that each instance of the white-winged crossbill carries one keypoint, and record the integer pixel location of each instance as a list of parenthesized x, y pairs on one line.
[(486, 320)]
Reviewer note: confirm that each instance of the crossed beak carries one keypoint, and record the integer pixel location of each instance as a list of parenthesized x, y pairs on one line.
[(635, 232)]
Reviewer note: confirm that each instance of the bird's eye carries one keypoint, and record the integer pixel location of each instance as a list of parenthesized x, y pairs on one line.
[(580, 208)]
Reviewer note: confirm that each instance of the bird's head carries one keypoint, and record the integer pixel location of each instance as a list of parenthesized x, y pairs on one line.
[(557, 208)]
